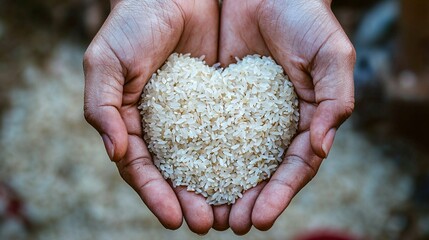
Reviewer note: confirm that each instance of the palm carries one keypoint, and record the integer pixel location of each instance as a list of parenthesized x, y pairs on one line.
[(304, 37), (272, 30), (301, 35), (135, 40)]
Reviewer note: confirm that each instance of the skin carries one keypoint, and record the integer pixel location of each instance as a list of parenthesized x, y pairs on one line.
[(134, 42), (304, 37), (136, 39)]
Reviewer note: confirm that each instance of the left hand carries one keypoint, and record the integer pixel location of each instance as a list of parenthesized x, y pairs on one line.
[(135, 40), (304, 37)]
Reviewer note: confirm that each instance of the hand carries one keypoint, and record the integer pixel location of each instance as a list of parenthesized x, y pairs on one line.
[(134, 42), (306, 39)]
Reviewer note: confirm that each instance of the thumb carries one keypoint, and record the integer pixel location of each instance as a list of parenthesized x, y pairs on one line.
[(329, 115), (103, 98), (334, 92)]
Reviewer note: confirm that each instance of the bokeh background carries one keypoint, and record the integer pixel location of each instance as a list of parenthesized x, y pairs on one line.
[(56, 181)]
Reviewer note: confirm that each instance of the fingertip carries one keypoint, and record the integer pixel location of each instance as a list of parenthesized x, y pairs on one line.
[(196, 211), (138, 170), (318, 131), (260, 220), (240, 230), (111, 127), (200, 226), (174, 221), (262, 225), (200, 223), (271, 203), (221, 216), (117, 148), (323, 127), (328, 141), (241, 213), (219, 227), (169, 212), (165, 206), (317, 136), (240, 221)]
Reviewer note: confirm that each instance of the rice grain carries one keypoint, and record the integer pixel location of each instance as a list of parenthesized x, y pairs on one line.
[(218, 131)]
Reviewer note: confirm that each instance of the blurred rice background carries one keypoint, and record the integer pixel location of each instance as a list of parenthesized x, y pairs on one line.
[(56, 181)]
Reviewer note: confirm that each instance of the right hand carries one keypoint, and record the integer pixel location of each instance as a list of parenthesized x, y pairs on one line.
[(135, 40), (305, 38)]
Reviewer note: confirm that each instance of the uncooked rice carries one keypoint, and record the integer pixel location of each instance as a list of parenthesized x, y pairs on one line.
[(218, 131)]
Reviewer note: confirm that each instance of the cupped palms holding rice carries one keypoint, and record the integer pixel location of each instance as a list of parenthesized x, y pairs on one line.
[(219, 131)]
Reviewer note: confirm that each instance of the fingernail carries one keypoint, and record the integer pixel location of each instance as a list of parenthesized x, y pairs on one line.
[(328, 141), (109, 146)]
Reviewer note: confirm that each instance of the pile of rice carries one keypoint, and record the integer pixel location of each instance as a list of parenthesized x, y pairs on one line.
[(218, 131)]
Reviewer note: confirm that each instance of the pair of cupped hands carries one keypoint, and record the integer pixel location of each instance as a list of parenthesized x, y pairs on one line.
[(303, 36)]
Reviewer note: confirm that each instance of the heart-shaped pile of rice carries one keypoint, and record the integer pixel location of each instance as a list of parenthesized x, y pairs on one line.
[(218, 131)]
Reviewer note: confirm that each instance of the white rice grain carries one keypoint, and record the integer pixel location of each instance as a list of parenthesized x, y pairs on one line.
[(219, 131)]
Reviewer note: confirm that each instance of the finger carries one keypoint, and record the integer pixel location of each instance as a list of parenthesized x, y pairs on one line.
[(306, 114), (333, 81), (239, 32), (137, 169), (197, 212), (240, 218), (199, 37), (103, 98), (132, 120), (169, 217), (297, 169), (221, 216)]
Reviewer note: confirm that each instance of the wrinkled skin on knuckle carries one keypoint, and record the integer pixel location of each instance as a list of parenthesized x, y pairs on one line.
[(347, 54), (344, 49), (87, 114), (88, 60), (130, 170), (348, 108), (92, 57)]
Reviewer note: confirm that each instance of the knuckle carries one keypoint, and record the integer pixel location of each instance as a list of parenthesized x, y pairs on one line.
[(310, 168), (339, 47), (88, 58), (347, 51), (134, 167), (349, 107), (87, 113), (98, 53)]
